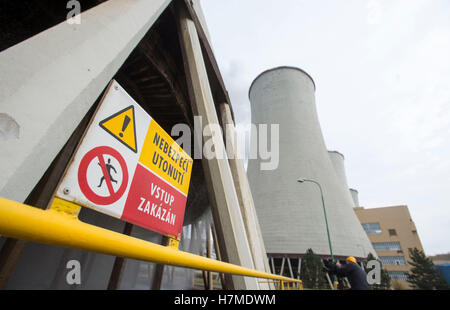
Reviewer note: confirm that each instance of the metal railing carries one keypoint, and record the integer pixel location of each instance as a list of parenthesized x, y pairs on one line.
[(59, 225), (284, 285)]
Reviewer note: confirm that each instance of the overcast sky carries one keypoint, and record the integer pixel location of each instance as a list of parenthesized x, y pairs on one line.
[(382, 71)]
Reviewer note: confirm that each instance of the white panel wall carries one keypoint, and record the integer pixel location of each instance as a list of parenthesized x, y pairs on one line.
[(49, 82)]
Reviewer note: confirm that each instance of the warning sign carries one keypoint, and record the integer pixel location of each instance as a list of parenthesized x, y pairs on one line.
[(121, 126), (128, 167), (163, 156)]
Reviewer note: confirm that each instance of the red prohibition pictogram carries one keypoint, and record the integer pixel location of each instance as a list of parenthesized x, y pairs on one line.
[(98, 153)]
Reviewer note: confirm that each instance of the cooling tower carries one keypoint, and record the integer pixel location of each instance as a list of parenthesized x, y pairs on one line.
[(337, 159), (291, 213), (355, 195)]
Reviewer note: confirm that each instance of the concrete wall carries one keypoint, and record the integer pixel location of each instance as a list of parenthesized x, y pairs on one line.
[(49, 82)]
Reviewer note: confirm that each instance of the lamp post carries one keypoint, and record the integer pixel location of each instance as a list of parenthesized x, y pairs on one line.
[(324, 212)]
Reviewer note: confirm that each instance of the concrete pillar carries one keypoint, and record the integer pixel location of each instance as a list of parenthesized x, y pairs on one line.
[(221, 190), (244, 194)]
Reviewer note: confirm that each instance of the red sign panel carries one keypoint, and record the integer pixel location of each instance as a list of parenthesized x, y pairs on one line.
[(154, 203)]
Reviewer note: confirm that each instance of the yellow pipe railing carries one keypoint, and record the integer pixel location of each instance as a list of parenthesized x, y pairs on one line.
[(60, 226), (281, 286)]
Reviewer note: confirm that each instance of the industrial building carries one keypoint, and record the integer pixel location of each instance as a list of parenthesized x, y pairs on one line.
[(56, 70), (440, 259), (392, 233), (291, 213)]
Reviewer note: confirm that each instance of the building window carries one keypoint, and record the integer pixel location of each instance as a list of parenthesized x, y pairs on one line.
[(393, 260), (398, 275), (372, 228), (387, 246), (392, 232)]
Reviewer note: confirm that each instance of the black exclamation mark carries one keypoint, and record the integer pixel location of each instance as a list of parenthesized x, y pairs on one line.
[(126, 121)]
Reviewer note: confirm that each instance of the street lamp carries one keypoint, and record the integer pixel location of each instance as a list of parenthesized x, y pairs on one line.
[(301, 180)]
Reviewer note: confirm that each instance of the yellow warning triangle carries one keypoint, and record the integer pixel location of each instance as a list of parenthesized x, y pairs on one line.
[(122, 126)]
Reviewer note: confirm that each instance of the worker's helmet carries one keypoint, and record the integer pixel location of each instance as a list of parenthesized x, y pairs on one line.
[(351, 259)]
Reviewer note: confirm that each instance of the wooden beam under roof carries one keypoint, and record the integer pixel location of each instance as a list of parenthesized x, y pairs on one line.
[(220, 92)]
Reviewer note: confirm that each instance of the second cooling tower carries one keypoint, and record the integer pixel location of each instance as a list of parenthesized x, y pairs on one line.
[(291, 213), (355, 196), (337, 159)]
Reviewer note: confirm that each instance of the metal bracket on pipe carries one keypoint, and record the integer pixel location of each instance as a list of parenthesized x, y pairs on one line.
[(66, 207), (173, 243)]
